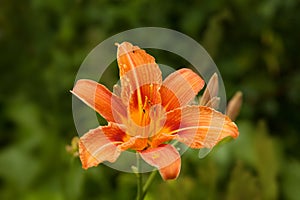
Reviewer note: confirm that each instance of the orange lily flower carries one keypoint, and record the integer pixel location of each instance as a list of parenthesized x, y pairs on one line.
[(145, 112)]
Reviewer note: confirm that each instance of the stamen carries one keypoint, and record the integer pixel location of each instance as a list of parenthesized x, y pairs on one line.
[(151, 91), (145, 103), (203, 127), (143, 117)]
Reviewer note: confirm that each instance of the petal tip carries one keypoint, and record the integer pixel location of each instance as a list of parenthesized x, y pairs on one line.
[(172, 171), (87, 160), (125, 48), (166, 159)]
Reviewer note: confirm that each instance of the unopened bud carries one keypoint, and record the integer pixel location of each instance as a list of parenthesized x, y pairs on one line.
[(234, 105)]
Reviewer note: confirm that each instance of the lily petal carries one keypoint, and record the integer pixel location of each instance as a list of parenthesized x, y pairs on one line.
[(211, 92), (180, 88), (213, 102), (130, 56), (138, 78), (166, 158), (101, 99), (134, 143), (200, 126), (100, 144), (140, 82), (161, 137), (138, 71)]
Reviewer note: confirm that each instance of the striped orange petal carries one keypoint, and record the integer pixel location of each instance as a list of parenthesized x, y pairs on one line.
[(180, 88), (198, 126), (100, 99), (100, 144), (140, 82), (165, 158)]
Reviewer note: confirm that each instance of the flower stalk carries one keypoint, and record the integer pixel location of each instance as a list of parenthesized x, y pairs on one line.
[(148, 183), (139, 179), (143, 189)]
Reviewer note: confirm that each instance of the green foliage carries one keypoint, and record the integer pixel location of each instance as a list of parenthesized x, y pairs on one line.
[(254, 43)]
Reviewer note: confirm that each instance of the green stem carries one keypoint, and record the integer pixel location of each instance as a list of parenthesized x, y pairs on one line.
[(139, 179), (148, 183), (142, 190)]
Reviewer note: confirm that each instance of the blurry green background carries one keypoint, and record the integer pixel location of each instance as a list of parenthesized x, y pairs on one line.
[(254, 43)]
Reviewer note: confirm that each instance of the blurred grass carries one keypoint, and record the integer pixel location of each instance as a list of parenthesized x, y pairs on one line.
[(254, 43)]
